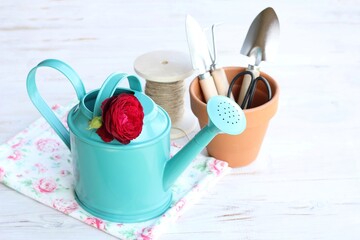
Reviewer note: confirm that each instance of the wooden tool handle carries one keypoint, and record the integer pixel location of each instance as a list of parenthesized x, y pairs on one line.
[(208, 87), (221, 82), (245, 85)]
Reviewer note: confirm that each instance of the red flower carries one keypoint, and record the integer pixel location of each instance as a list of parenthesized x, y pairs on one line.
[(122, 118)]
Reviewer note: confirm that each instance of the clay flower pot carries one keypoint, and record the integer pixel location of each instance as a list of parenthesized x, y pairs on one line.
[(239, 150)]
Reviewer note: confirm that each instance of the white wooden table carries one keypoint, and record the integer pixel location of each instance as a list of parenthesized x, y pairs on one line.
[(305, 183)]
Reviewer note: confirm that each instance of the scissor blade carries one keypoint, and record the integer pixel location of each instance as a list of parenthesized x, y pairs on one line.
[(198, 46)]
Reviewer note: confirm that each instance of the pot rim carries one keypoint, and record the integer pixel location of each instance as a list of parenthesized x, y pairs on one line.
[(269, 107)]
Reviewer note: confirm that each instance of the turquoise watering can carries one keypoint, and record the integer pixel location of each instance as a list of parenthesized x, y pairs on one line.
[(127, 183)]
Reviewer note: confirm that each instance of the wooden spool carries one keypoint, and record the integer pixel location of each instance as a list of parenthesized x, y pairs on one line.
[(168, 67)]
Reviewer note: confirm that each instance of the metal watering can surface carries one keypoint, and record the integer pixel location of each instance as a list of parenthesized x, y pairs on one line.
[(127, 183)]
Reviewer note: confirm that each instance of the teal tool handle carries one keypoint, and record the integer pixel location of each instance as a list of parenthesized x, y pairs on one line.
[(41, 105), (178, 163), (109, 86)]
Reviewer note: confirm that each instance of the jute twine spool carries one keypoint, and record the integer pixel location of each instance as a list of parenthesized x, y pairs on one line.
[(165, 73), (169, 96)]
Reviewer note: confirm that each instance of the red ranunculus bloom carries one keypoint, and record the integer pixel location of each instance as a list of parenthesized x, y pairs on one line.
[(122, 118)]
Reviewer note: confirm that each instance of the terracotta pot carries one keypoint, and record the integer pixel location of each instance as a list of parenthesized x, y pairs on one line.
[(239, 150)]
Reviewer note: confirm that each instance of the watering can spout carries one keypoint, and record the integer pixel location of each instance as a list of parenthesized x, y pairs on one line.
[(179, 162), (225, 116)]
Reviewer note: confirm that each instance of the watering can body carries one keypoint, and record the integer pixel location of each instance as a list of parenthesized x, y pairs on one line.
[(116, 182), (127, 183), (121, 184)]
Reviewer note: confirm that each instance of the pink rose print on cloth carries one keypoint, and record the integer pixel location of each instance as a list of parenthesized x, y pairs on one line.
[(2, 174), (47, 145), (173, 144), (216, 166), (40, 168), (45, 185), (56, 157), (147, 234), (17, 145), (64, 173), (180, 205), (15, 156), (65, 206), (95, 222), (56, 107)]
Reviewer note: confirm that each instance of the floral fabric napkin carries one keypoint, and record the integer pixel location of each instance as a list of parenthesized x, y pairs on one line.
[(37, 164)]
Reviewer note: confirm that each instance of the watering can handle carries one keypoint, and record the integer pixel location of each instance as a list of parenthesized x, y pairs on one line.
[(109, 86), (41, 105)]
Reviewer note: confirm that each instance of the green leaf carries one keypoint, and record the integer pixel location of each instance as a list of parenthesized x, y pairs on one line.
[(27, 183), (95, 123), (201, 167)]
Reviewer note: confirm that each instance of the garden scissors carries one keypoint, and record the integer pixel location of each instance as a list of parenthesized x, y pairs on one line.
[(252, 88)]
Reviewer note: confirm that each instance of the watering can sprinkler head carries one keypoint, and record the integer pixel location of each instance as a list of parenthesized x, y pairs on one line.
[(225, 116)]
